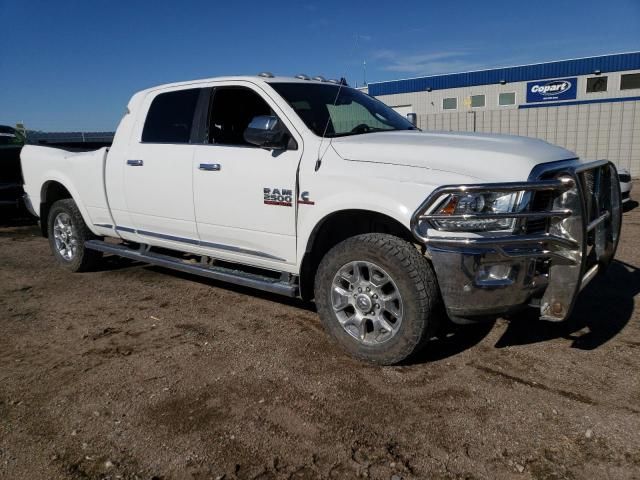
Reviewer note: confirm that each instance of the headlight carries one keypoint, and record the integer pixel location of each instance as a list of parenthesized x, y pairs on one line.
[(476, 211)]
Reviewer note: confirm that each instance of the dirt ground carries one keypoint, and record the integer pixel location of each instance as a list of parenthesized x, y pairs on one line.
[(139, 372)]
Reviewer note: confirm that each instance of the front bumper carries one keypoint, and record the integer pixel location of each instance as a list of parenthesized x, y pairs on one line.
[(555, 251)]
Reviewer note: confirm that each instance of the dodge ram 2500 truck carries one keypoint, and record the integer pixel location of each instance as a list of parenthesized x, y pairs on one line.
[(316, 190)]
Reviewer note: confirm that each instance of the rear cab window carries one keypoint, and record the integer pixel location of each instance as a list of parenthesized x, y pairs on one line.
[(170, 117)]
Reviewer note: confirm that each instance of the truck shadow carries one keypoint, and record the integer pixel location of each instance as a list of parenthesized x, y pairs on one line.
[(630, 205), (452, 340), (604, 308), (112, 263), (272, 297)]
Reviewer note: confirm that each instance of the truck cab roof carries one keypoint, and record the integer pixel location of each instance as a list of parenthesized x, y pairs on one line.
[(255, 79), (246, 78)]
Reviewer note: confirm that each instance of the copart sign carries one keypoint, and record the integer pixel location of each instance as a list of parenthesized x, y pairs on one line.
[(552, 90)]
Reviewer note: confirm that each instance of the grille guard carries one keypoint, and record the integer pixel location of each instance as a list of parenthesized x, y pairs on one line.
[(579, 241)]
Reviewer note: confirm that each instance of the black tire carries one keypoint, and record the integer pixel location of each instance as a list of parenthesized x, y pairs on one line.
[(84, 259), (415, 280)]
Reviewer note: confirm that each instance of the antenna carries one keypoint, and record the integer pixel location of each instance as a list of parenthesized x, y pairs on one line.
[(341, 84), (364, 71)]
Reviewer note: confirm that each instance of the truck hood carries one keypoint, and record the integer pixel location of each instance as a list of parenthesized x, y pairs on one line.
[(486, 157)]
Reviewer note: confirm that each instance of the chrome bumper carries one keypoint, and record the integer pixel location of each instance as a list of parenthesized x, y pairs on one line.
[(576, 236)]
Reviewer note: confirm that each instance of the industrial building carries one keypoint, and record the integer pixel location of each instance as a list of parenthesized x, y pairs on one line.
[(588, 105)]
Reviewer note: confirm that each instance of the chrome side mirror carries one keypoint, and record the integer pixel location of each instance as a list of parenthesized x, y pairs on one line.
[(267, 131)]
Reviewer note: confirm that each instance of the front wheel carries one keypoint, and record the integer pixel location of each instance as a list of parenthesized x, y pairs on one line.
[(378, 297), (67, 233)]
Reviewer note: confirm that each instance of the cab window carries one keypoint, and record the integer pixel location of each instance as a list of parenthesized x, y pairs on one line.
[(170, 117), (230, 112)]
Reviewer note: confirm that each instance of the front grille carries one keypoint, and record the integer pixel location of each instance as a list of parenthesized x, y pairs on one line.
[(596, 188), (588, 179), (600, 213)]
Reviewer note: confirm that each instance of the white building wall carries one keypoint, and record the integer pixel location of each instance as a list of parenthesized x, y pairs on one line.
[(593, 131)]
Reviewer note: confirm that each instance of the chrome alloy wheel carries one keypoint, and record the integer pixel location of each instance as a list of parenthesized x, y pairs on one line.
[(65, 236), (366, 302)]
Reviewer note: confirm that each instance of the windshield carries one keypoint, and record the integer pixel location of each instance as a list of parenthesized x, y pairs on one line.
[(341, 111), (10, 136)]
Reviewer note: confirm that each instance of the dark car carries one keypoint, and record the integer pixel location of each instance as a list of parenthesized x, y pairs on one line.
[(11, 143)]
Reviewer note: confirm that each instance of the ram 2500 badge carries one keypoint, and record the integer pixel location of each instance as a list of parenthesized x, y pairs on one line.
[(312, 189)]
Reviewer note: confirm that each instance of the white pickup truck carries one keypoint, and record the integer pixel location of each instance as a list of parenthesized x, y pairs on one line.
[(312, 189)]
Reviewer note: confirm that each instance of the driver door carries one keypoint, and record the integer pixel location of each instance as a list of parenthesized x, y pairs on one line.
[(244, 196)]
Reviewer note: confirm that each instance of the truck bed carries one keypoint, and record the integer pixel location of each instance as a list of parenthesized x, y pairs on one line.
[(80, 173)]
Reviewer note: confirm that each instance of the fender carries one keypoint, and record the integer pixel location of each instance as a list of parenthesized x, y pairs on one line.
[(53, 176), (382, 204)]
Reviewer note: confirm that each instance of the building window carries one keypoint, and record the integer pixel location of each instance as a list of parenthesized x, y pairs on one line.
[(596, 84), (449, 103), (629, 81), (477, 101), (507, 98)]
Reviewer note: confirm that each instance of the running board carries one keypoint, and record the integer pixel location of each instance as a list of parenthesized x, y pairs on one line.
[(229, 275)]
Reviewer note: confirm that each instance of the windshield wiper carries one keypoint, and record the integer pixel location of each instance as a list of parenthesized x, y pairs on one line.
[(371, 130)]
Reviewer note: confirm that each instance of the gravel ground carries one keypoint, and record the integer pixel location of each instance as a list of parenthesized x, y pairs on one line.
[(138, 372)]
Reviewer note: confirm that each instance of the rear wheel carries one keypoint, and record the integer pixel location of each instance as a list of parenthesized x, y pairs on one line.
[(378, 296), (67, 235)]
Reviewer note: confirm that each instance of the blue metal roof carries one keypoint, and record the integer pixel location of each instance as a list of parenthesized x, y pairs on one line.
[(563, 68)]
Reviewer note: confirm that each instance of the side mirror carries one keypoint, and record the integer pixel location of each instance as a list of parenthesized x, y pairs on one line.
[(267, 131)]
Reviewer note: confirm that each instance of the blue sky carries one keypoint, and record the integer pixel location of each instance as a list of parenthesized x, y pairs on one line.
[(70, 65)]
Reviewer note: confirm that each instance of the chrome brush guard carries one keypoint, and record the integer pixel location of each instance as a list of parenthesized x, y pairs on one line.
[(567, 230)]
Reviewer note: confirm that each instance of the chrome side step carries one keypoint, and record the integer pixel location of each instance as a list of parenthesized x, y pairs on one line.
[(229, 275)]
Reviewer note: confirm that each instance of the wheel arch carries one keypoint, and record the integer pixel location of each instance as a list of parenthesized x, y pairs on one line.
[(50, 192), (338, 226)]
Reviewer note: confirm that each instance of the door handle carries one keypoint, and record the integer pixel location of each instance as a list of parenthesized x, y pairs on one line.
[(135, 163), (210, 167)]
